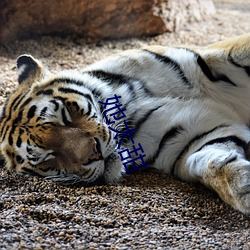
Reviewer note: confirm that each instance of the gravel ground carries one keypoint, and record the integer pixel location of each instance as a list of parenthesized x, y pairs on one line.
[(146, 210)]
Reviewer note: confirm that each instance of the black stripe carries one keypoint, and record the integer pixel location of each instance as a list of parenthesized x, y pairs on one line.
[(2, 161), (3, 127), (31, 172), (142, 120), (67, 81), (232, 138), (60, 98), (56, 105), (119, 79), (42, 114), (110, 78), (94, 116), (14, 124), (213, 77), (231, 160), (169, 135), (206, 70), (110, 135), (35, 158), (31, 112), (64, 117), (3, 113), (45, 92), (21, 131), (13, 128), (195, 139), (146, 90), (19, 159), (89, 109), (16, 121), (10, 139), (231, 60), (43, 111), (131, 98), (3, 134), (73, 91), (9, 153), (95, 92), (19, 142), (132, 92), (17, 101), (26, 103), (19, 118), (173, 64), (10, 113), (10, 110), (4, 124), (70, 91), (142, 85), (29, 149)]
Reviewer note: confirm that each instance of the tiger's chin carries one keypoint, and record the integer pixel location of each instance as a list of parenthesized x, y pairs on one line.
[(108, 171)]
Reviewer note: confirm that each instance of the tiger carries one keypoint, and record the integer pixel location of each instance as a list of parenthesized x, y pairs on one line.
[(186, 106)]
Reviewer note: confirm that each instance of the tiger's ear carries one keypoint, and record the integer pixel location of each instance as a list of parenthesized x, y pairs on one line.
[(30, 70)]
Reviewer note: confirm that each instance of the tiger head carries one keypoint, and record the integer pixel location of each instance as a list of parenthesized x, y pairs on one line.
[(52, 126)]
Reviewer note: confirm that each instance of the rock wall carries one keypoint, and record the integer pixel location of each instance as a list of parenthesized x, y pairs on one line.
[(98, 19)]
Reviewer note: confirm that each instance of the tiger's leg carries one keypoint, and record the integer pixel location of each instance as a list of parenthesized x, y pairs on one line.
[(223, 169)]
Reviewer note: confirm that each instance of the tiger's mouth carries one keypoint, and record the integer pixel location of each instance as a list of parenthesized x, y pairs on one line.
[(76, 180)]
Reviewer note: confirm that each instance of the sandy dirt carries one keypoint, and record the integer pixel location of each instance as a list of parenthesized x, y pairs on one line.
[(146, 210)]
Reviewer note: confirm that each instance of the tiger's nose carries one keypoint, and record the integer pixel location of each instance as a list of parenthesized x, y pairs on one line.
[(96, 153)]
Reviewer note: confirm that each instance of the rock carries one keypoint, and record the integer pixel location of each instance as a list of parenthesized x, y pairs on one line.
[(98, 19)]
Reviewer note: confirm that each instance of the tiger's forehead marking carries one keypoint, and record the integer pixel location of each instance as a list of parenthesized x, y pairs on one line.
[(43, 102)]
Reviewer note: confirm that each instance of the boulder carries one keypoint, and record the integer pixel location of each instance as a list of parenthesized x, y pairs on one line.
[(98, 19)]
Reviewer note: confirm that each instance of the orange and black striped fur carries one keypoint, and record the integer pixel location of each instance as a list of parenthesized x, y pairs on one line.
[(189, 107)]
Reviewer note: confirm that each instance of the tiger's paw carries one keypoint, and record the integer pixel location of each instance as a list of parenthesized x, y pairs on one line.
[(231, 180), (113, 168)]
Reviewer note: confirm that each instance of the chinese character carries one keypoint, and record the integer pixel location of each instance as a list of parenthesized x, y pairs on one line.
[(125, 154), (117, 115), (136, 166), (113, 101), (126, 132)]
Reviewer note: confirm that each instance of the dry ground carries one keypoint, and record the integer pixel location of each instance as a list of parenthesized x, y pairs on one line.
[(146, 210)]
